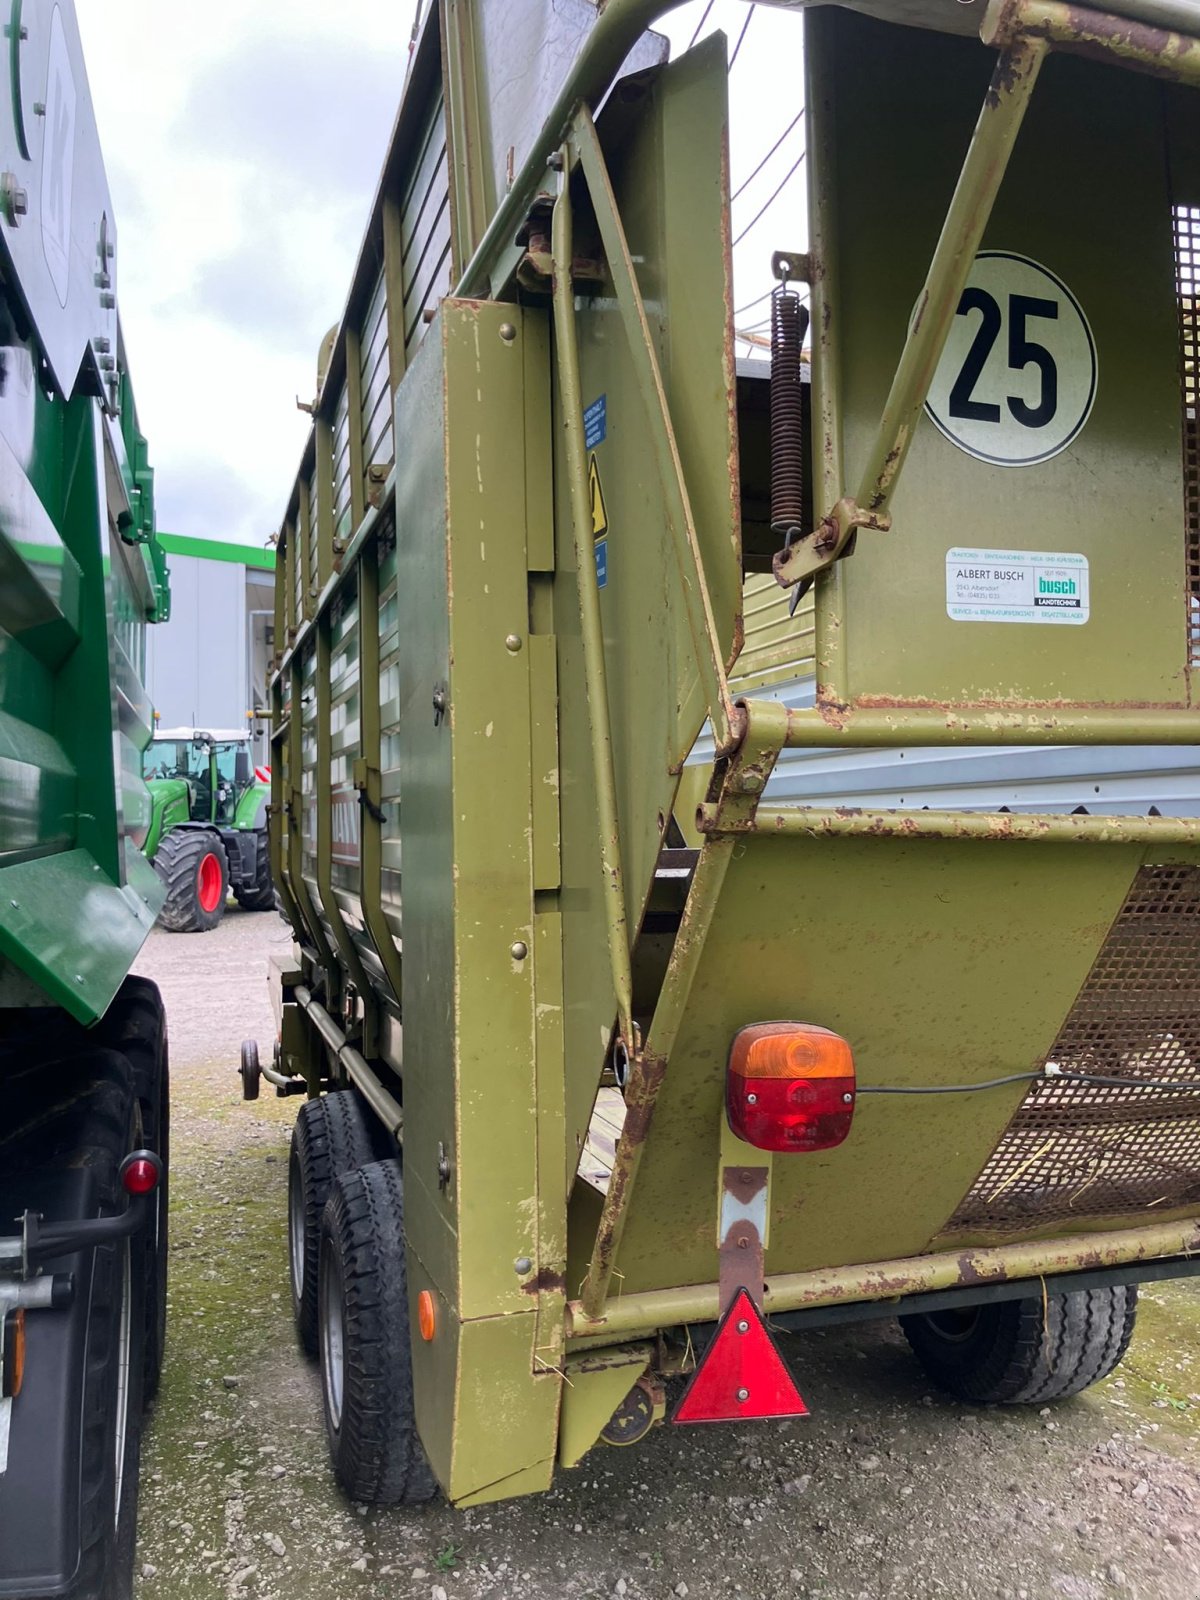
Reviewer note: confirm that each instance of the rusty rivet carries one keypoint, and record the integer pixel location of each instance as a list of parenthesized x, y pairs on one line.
[(507, 332), (751, 783), (520, 950), (513, 643)]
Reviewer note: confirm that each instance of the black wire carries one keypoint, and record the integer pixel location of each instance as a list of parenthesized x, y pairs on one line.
[(746, 182), (791, 172), (702, 21), (1192, 1086), (740, 37)]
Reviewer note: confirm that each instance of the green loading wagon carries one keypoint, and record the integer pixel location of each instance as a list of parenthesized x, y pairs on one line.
[(600, 1049), (83, 1049)]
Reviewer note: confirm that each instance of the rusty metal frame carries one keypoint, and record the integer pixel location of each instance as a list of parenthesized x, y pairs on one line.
[(591, 626), (640, 1314), (742, 780)]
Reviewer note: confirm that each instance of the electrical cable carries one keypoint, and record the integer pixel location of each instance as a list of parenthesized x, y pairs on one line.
[(746, 182), (1058, 1075), (701, 23), (750, 304), (740, 37), (791, 172)]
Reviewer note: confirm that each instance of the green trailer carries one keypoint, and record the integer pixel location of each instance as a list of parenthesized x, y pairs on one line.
[(83, 1052), (608, 1060)]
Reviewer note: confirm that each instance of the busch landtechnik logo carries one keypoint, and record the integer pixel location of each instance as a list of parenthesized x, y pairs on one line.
[(1061, 592)]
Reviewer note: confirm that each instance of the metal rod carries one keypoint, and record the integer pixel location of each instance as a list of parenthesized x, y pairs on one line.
[(826, 399), (818, 823), (1146, 48), (1004, 107), (710, 662), (361, 1074), (640, 1315), (974, 725), (590, 622), (649, 1068)]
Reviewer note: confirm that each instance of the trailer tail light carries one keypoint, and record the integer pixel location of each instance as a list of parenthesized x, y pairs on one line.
[(12, 1367), (426, 1315), (790, 1086), (140, 1172)]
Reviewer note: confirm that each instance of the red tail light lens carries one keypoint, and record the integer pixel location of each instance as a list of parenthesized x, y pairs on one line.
[(790, 1086), (140, 1172)]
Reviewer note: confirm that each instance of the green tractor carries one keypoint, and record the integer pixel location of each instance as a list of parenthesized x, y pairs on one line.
[(208, 831)]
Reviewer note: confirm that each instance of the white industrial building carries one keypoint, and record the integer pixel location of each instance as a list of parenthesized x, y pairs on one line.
[(207, 666)]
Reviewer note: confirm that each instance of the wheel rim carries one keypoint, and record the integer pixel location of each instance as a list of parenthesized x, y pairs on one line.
[(124, 1348), (296, 1229), (333, 1345), (955, 1327), (208, 882)]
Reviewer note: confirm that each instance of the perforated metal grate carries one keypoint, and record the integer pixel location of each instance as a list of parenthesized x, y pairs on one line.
[(1187, 281), (1077, 1150)]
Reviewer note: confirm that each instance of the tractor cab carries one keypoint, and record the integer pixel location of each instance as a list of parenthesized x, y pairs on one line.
[(216, 768)]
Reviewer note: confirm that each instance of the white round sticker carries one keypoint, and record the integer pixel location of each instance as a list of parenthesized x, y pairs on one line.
[(1017, 378)]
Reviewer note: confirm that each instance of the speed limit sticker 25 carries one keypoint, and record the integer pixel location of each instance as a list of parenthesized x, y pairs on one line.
[(1017, 377)]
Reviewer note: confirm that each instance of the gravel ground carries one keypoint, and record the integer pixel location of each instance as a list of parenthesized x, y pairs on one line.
[(886, 1492)]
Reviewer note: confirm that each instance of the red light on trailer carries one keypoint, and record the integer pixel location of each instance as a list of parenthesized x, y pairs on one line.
[(140, 1172), (790, 1086), (742, 1374), (12, 1367)]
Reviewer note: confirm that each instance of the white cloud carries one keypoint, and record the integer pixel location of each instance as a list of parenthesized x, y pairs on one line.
[(243, 143)]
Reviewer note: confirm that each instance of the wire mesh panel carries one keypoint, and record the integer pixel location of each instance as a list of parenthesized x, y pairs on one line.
[(1187, 267), (1078, 1150)]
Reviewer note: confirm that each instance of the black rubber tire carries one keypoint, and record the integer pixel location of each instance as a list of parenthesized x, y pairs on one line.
[(367, 1389), (94, 1121), (261, 896), (177, 861), (136, 1025), (1026, 1352), (332, 1135)]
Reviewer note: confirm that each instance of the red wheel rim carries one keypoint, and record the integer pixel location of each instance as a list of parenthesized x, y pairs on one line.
[(208, 883)]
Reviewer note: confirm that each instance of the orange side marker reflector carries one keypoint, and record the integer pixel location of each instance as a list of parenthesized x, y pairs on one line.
[(426, 1318), (742, 1374), (14, 1355)]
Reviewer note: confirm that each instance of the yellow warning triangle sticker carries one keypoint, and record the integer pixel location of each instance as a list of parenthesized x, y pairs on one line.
[(599, 514)]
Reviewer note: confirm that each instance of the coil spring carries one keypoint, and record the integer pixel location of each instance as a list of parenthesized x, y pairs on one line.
[(789, 325)]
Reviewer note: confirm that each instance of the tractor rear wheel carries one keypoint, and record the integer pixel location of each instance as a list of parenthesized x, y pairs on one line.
[(191, 863), (259, 895)]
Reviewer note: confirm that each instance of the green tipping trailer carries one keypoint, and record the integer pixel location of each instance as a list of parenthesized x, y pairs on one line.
[(83, 1078), (599, 1052)]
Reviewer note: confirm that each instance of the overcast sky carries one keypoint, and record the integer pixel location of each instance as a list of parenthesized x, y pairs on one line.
[(242, 144)]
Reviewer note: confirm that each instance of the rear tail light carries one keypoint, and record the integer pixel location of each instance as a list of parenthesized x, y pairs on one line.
[(140, 1172), (790, 1086)]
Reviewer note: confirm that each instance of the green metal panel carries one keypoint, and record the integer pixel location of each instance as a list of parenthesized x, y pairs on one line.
[(1091, 148), (470, 1033), (941, 962)]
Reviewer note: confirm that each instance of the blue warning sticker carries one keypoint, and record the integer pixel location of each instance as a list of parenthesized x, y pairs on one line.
[(601, 549), (595, 422)]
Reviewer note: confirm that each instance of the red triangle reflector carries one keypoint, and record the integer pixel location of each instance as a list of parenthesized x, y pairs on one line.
[(742, 1374)]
